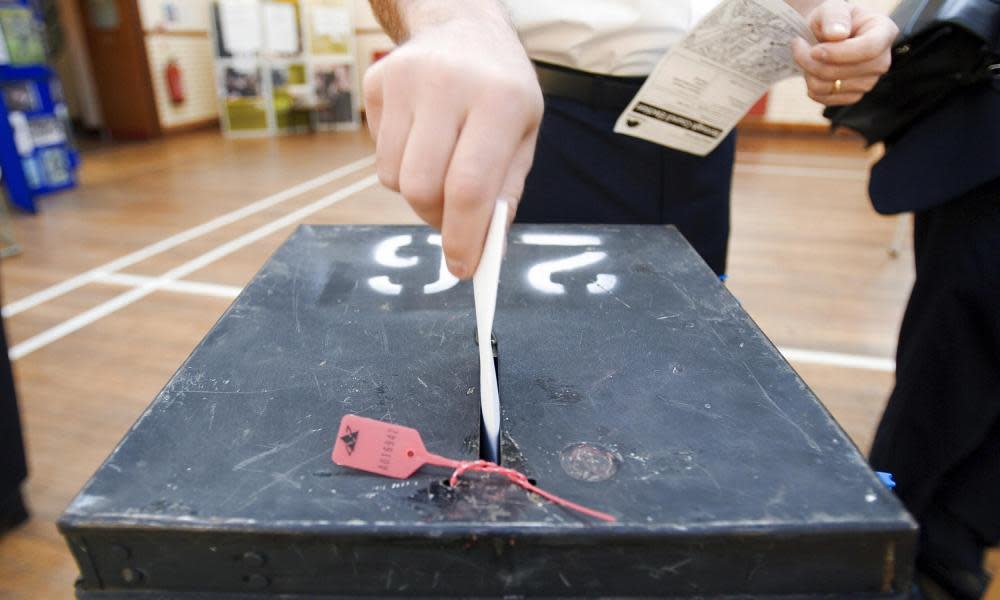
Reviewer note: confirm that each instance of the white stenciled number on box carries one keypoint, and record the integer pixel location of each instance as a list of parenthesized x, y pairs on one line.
[(540, 275), (387, 255)]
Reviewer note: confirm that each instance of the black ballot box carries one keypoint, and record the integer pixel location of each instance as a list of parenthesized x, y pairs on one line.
[(631, 382)]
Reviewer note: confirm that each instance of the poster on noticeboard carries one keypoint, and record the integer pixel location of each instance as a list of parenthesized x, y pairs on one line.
[(334, 89), (331, 30)]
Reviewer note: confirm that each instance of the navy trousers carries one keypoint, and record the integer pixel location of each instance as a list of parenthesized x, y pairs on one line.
[(940, 434), (13, 467), (585, 173)]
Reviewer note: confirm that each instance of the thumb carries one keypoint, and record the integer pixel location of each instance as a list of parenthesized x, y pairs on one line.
[(513, 183), (831, 21), (371, 87)]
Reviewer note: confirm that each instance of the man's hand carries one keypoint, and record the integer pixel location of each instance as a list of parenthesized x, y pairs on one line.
[(854, 49), (454, 111)]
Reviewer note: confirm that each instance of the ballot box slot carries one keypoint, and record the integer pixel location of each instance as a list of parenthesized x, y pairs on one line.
[(486, 450)]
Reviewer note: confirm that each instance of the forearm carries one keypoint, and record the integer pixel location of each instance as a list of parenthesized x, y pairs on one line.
[(403, 18)]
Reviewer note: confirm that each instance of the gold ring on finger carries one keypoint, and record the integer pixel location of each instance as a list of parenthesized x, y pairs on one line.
[(837, 85)]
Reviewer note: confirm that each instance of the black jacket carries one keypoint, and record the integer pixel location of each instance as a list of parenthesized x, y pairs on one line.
[(947, 154)]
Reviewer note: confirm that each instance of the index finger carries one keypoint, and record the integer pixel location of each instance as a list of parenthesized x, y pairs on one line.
[(870, 42), (474, 180)]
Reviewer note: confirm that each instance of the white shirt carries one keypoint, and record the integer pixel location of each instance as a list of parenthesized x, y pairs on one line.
[(612, 37)]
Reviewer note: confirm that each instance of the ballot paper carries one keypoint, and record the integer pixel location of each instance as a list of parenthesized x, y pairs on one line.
[(710, 79), (484, 286)]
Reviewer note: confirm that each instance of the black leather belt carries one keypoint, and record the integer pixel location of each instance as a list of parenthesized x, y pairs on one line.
[(596, 91)]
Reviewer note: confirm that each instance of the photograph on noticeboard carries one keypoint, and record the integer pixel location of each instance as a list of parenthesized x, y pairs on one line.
[(242, 82), (245, 106), (334, 94), (290, 96)]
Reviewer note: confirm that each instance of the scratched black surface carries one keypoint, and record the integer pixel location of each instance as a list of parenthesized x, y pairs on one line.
[(634, 384)]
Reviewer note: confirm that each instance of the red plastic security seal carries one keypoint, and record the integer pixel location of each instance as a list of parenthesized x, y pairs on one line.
[(397, 451), (383, 448)]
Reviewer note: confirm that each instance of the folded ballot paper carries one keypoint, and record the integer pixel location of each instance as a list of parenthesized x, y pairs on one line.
[(710, 79)]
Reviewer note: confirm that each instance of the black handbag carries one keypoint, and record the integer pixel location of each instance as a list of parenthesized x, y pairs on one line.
[(943, 45)]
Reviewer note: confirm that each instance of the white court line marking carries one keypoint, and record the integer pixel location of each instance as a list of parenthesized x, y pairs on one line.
[(78, 281), (835, 359), (118, 302), (197, 288), (756, 169)]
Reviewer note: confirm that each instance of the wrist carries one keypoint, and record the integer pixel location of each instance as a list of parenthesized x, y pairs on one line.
[(417, 16)]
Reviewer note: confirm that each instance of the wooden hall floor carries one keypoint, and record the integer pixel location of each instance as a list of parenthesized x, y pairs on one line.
[(147, 253)]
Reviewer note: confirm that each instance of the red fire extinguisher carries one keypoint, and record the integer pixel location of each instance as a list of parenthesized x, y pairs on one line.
[(175, 83)]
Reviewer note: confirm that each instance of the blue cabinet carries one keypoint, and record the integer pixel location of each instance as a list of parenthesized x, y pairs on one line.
[(37, 154)]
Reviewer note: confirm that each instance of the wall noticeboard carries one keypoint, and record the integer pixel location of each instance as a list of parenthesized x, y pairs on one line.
[(285, 65)]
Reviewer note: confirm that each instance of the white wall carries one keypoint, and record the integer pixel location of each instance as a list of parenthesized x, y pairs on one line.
[(189, 15), (363, 16)]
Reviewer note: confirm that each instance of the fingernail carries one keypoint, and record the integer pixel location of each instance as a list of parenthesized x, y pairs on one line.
[(839, 29), (457, 268), (819, 53)]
